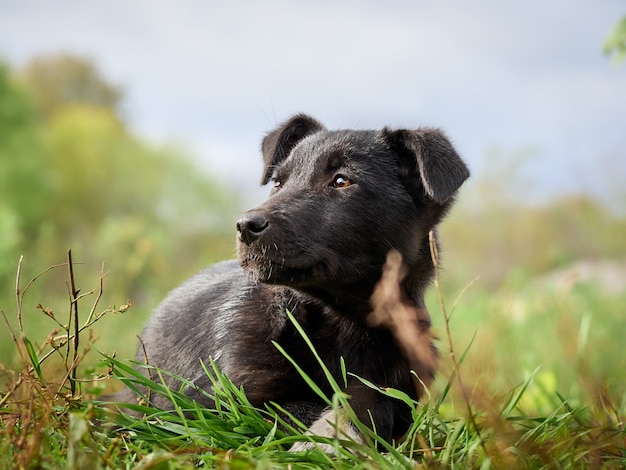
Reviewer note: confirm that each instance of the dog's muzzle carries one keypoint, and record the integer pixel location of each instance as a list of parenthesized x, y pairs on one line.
[(251, 226)]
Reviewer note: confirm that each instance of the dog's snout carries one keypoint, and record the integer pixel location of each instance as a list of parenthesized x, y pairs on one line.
[(251, 226)]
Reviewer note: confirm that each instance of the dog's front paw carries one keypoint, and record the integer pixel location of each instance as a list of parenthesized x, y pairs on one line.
[(303, 446), (332, 425)]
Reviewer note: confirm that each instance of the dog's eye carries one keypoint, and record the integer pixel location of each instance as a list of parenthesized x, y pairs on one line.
[(276, 184), (341, 181)]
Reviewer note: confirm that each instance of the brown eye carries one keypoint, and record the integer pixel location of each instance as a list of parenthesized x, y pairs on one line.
[(341, 181)]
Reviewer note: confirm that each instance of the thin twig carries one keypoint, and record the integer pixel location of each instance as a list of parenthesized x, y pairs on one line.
[(85, 294), (434, 253), (71, 371), (95, 304), (146, 361), (74, 294), (13, 337), (17, 293), (53, 350), (460, 296), (391, 309), (49, 268), (20, 294), (18, 345)]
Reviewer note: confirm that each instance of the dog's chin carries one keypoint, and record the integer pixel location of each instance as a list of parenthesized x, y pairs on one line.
[(268, 271)]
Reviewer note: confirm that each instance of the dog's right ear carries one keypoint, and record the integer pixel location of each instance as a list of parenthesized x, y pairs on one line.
[(278, 143)]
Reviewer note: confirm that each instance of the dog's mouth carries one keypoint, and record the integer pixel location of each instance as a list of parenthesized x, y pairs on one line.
[(271, 265), (268, 265)]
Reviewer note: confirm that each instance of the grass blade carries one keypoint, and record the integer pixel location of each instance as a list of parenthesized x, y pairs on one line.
[(34, 360)]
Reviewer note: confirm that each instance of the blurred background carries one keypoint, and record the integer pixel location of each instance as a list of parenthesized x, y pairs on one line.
[(130, 132)]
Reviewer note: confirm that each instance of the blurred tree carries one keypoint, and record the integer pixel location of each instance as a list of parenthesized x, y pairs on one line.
[(88, 151), (98, 170), (23, 182), (535, 239), (615, 43), (60, 80), (73, 175)]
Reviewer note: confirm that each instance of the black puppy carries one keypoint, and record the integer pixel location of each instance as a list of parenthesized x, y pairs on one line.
[(341, 201)]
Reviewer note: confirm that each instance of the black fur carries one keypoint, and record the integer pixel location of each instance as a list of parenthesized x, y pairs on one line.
[(342, 200)]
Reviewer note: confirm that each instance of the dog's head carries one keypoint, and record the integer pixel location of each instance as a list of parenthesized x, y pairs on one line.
[(342, 200)]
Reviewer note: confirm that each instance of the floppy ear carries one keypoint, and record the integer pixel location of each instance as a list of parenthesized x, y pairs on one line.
[(277, 144), (428, 154)]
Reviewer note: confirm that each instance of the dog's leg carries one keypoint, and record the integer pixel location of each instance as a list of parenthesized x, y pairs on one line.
[(370, 407)]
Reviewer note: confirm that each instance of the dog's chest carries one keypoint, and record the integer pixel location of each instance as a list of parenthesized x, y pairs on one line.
[(369, 353), (265, 344)]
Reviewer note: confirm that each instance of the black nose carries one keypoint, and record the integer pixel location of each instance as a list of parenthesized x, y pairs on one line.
[(251, 226)]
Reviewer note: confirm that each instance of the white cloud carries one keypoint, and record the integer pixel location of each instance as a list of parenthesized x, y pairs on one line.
[(219, 74)]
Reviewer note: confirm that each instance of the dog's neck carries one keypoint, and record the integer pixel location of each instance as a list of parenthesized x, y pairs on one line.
[(351, 303), (355, 301)]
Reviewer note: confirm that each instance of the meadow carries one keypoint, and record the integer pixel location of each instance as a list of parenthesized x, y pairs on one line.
[(535, 380), (528, 310)]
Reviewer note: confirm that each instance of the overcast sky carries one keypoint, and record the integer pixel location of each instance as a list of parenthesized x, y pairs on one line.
[(499, 77)]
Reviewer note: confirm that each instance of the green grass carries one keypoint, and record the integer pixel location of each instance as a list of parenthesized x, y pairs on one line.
[(536, 381)]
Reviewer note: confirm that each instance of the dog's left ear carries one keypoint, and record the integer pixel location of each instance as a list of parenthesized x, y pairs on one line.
[(428, 154), (277, 144)]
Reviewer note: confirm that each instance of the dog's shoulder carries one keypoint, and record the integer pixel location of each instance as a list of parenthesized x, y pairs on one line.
[(193, 305), (209, 285), (224, 296)]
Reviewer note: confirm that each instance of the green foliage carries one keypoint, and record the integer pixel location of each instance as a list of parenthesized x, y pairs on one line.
[(615, 43), (571, 334), (73, 175), (22, 184), (541, 365), (498, 231), (62, 80), (44, 424)]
